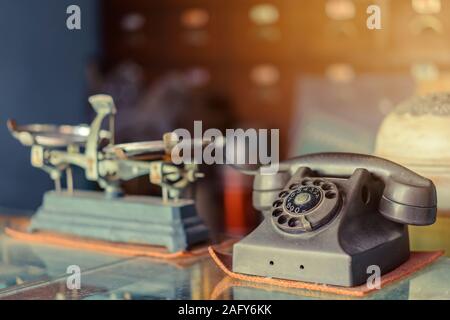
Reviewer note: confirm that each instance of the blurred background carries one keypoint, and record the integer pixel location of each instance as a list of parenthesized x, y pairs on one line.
[(310, 68)]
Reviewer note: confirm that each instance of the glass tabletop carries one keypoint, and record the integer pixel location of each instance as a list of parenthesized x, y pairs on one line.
[(32, 271)]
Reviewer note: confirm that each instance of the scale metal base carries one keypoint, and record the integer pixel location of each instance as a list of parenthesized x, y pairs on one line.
[(130, 219)]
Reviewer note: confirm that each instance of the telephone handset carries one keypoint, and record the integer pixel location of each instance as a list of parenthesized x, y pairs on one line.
[(407, 198), (329, 216)]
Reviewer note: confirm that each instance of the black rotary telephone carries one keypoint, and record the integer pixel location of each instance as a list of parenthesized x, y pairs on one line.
[(329, 216)]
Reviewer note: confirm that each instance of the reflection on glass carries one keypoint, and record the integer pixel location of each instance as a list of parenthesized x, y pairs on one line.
[(426, 6), (265, 75), (340, 9), (264, 14), (133, 22), (340, 73), (194, 18)]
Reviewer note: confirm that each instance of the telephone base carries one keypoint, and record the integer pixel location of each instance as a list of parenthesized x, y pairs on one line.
[(271, 254), (130, 219)]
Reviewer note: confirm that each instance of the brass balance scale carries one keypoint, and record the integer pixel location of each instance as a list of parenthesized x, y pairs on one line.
[(169, 221)]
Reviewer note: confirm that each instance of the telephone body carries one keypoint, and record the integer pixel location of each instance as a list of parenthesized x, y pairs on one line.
[(329, 216)]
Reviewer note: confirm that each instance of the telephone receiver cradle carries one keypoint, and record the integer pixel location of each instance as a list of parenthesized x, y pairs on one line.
[(329, 216)]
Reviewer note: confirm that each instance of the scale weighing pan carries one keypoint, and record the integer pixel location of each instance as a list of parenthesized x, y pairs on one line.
[(51, 136)]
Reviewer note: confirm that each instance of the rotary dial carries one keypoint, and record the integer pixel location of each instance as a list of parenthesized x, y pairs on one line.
[(305, 206)]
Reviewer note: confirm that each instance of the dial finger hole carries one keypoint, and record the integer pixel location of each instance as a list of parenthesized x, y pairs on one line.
[(277, 212), (283, 194), (317, 182), (330, 195), (326, 187), (277, 203), (294, 222), (282, 219)]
